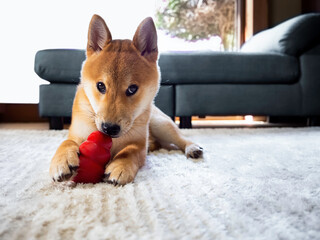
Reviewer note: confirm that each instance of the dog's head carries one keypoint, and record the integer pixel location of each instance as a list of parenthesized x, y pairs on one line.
[(120, 77)]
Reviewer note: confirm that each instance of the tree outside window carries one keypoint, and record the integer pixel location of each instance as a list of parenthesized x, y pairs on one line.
[(194, 20)]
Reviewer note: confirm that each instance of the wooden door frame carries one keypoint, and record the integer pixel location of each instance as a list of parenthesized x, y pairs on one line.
[(252, 17)]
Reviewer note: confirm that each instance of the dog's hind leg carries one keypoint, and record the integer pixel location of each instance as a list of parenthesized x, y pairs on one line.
[(164, 131)]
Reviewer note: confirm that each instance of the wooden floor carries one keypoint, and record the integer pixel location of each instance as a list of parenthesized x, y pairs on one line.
[(25, 126)]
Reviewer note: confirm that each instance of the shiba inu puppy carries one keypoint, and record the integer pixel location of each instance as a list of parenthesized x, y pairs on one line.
[(119, 80)]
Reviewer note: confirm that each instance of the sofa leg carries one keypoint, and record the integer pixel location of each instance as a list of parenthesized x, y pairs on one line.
[(56, 123), (288, 120), (313, 121), (185, 122)]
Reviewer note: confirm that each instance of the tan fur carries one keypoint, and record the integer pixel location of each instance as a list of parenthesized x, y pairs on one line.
[(119, 64)]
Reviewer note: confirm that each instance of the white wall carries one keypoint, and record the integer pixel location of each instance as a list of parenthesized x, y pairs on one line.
[(27, 26)]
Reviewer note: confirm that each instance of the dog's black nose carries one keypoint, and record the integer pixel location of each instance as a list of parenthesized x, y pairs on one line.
[(110, 129)]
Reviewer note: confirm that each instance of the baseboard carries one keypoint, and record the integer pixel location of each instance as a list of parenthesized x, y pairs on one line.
[(20, 113)]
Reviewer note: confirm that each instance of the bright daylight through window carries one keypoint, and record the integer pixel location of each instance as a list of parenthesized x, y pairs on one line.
[(196, 24), (183, 25)]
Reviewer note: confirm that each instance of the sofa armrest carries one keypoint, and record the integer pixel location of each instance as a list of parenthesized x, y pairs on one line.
[(59, 65), (310, 81), (292, 37)]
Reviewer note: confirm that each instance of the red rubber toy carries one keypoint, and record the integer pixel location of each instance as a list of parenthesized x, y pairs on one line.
[(94, 156)]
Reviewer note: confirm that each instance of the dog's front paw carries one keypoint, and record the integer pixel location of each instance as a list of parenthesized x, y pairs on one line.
[(194, 151), (120, 172), (65, 162)]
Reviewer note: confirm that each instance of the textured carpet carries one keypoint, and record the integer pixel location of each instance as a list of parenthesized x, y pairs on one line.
[(251, 184)]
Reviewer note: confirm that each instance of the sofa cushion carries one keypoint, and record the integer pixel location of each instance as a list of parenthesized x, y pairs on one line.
[(239, 99), (291, 37), (56, 99), (227, 67), (59, 65)]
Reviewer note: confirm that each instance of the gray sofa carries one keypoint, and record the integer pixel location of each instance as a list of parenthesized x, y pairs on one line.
[(276, 73)]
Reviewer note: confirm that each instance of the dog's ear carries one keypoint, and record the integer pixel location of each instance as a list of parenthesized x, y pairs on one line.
[(98, 36), (145, 39)]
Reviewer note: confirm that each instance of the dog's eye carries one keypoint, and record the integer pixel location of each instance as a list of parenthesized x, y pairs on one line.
[(101, 87), (132, 89)]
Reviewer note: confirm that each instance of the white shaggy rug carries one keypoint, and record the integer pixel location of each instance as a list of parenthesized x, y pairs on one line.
[(251, 184)]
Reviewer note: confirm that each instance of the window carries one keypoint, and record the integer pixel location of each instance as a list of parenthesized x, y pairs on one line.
[(29, 26), (197, 24)]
